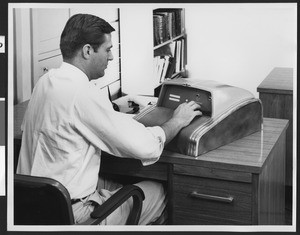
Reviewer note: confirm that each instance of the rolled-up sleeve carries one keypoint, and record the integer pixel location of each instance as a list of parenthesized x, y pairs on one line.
[(114, 132), (159, 134)]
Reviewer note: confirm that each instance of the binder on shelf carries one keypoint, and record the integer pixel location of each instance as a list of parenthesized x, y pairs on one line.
[(166, 66), (182, 58), (178, 56), (171, 67), (161, 66)]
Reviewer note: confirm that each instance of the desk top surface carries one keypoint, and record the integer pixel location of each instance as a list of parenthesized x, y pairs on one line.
[(279, 80), (247, 154)]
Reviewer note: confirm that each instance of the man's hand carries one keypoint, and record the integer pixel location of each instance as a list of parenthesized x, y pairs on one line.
[(186, 112), (182, 116)]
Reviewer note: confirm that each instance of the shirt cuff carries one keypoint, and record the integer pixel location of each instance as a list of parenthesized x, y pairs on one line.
[(160, 135)]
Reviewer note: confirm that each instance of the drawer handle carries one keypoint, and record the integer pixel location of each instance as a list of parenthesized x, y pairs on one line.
[(211, 197)]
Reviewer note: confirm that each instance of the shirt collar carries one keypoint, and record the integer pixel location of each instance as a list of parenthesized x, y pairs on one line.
[(74, 72)]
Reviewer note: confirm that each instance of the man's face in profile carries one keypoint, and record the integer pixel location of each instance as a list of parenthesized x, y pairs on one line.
[(101, 57)]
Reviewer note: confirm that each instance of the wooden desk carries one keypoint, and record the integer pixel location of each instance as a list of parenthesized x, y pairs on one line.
[(276, 95), (240, 183)]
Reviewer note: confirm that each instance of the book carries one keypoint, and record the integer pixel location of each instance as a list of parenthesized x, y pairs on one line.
[(182, 54), (173, 17), (171, 68), (165, 69), (158, 29), (178, 56), (158, 68)]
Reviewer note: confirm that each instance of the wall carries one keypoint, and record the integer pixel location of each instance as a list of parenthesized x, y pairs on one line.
[(136, 36), (239, 44), (22, 55), (36, 34)]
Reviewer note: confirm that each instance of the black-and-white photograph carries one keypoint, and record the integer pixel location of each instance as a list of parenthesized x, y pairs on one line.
[(151, 117)]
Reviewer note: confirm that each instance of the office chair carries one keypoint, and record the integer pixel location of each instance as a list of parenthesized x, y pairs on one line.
[(45, 201)]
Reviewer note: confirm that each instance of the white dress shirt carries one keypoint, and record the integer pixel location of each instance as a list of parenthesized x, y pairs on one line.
[(66, 125)]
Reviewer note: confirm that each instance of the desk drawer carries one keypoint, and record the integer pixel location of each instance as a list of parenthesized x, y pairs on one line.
[(205, 201), (133, 167)]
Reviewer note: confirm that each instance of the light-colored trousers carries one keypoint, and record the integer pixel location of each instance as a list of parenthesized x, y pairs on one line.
[(153, 205)]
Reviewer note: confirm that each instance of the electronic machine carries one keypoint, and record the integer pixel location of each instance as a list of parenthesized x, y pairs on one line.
[(229, 113)]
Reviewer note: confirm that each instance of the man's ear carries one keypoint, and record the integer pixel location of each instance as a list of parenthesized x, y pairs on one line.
[(86, 51)]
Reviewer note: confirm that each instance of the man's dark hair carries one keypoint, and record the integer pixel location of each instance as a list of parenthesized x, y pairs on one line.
[(83, 29)]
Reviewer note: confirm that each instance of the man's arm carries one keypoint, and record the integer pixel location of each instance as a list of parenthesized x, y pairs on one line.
[(119, 134), (182, 117)]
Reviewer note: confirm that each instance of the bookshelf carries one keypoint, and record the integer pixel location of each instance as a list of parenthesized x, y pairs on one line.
[(138, 52), (169, 40)]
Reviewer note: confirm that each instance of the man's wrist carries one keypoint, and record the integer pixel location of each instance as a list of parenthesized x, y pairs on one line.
[(171, 128), (177, 123)]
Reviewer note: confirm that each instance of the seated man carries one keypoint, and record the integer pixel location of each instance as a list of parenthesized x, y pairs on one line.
[(69, 122)]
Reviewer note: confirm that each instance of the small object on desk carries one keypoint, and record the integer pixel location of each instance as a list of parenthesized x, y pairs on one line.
[(115, 107), (131, 108), (135, 107), (132, 104)]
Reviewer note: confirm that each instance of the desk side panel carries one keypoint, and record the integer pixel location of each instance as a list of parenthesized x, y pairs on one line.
[(281, 106), (271, 186)]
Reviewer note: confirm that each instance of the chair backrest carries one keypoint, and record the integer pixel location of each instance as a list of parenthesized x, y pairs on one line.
[(41, 201)]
